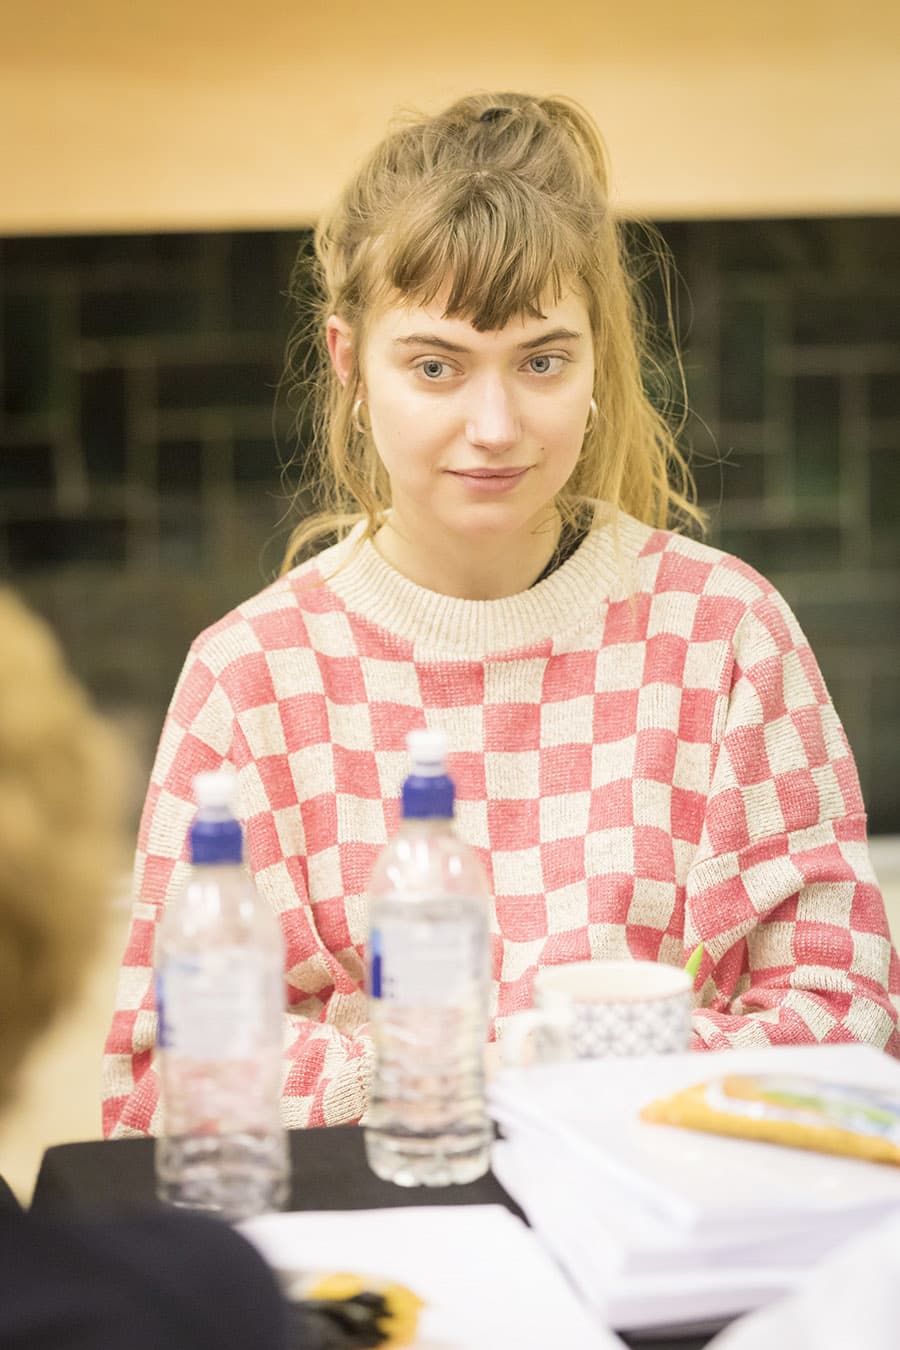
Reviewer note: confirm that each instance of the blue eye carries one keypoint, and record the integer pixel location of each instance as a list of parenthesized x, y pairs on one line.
[(545, 364), (432, 369)]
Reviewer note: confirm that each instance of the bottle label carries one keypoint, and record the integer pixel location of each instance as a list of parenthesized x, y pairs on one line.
[(213, 1005), (430, 964)]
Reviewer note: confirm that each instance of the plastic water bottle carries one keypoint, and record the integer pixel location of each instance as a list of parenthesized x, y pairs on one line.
[(219, 995), (428, 971)]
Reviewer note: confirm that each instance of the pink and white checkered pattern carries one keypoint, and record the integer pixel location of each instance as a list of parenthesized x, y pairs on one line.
[(645, 758)]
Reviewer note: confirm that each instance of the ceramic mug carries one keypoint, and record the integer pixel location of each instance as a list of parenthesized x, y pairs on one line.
[(592, 1009)]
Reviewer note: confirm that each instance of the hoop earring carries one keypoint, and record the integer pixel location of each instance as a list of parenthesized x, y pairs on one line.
[(358, 424), (593, 418)]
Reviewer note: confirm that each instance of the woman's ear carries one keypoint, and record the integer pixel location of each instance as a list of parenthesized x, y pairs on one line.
[(340, 347)]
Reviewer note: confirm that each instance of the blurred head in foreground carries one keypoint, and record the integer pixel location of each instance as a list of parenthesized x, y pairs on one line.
[(59, 831)]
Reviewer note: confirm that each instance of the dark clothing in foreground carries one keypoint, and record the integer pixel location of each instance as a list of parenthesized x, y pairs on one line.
[(163, 1282)]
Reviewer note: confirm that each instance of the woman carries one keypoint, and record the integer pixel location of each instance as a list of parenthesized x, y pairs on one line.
[(162, 1280), (643, 748)]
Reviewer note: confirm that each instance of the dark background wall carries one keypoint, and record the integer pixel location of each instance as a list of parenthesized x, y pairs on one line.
[(142, 494)]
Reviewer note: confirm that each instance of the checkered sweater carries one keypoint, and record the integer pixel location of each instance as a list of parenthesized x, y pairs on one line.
[(645, 758)]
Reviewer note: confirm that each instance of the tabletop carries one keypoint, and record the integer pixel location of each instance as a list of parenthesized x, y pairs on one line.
[(106, 1178)]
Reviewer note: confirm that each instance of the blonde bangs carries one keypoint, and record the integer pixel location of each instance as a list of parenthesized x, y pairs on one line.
[(493, 250)]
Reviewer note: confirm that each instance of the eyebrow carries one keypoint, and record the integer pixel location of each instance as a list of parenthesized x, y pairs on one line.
[(432, 340)]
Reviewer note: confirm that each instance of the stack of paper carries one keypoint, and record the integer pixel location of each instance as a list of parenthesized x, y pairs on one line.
[(659, 1226)]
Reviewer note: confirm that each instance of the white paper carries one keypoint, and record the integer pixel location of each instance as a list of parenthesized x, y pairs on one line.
[(851, 1300), (657, 1225), (485, 1279)]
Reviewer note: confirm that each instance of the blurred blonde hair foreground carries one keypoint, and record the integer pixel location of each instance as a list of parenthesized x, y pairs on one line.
[(60, 789)]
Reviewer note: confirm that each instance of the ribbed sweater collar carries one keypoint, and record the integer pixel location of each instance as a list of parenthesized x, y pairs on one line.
[(439, 625)]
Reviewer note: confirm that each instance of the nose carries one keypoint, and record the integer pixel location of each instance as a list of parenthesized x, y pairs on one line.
[(492, 422)]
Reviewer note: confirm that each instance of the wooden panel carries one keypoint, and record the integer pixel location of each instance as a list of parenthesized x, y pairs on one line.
[(199, 115)]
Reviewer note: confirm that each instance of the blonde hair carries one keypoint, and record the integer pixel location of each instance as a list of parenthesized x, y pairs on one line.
[(503, 198), (59, 831)]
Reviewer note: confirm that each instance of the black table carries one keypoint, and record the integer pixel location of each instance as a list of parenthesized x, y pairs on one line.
[(105, 1178), (328, 1171)]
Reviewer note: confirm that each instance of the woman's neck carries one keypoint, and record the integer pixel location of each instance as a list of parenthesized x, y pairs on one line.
[(489, 567)]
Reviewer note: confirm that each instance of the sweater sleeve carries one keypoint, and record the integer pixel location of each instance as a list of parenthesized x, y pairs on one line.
[(782, 893), (327, 1046)]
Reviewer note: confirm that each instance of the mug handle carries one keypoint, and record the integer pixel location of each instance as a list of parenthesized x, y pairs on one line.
[(520, 1028)]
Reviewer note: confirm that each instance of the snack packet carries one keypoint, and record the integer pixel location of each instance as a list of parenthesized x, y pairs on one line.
[(343, 1311), (791, 1110)]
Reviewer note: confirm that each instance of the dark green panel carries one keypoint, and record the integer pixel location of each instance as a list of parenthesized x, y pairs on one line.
[(32, 377), (179, 467), (256, 461), (884, 792), (139, 312), (884, 393), (742, 372), (774, 247), (835, 621), (884, 486), (846, 318), (256, 286), (816, 410), (737, 476), (53, 542), (27, 467), (225, 384), (794, 548), (181, 535), (104, 424), (90, 252)]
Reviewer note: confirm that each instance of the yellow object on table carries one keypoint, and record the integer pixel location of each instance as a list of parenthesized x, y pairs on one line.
[(794, 1111), (345, 1311), (401, 1317)]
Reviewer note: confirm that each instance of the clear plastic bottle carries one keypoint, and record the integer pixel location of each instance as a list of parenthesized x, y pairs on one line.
[(429, 972), (220, 996)]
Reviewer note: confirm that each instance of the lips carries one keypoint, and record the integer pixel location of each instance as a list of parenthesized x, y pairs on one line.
[(481, 482), (489, 473)]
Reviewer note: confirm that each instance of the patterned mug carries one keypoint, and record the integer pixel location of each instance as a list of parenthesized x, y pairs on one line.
[(591, 1009)]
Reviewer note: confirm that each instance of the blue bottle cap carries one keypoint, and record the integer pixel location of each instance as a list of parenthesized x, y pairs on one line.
[(216, 841), (216, 835), (428, 791)]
